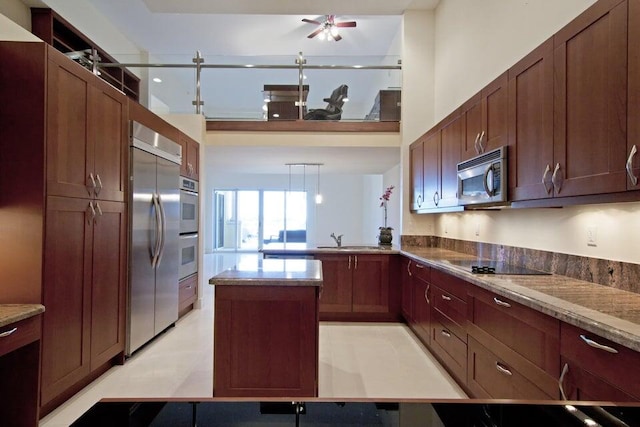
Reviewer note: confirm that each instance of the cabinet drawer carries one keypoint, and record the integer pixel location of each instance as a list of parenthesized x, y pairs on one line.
[(449, 283), (530, 333), (24, 332), (451, 349), (188, 289), (452, 309), (614, 363), (492, 377), (421, 271)]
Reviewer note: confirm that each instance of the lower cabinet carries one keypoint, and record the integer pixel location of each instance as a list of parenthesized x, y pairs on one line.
[(84, 289), (187, 294), (596, 369), (421, 286), (407, 299), (356, 287)]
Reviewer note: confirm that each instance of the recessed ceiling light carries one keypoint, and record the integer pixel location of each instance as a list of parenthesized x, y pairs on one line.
[(157, 79)]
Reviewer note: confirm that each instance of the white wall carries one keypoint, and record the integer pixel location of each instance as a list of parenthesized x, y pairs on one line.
[(475, 42), (350, 203)]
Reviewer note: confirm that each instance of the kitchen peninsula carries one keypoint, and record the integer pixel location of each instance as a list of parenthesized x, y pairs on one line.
[(266, 329)]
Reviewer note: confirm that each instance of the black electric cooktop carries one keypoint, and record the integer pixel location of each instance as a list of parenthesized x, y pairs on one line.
[(477, 266)]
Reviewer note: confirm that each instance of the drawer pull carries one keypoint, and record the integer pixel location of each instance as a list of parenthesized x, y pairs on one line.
[(501, 303), (445, 333), (565, 369), (9, 332), (426, 293), (419, 265), (446, 297), (409, 268), (599, 346), (502, 369)]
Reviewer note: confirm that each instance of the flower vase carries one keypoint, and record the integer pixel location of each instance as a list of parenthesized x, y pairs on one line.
[(385, 237)]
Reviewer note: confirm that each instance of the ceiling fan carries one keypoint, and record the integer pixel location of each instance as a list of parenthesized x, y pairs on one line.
[(329, 28)]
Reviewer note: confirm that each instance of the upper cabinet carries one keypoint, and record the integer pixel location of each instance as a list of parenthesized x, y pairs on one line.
[(633, 90), (590, 111), (531, 124), (416, 170), (485, 119), (190, 157)]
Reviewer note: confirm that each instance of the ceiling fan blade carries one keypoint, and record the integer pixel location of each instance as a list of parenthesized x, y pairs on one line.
[(315, 33), (311, 21), (346, 24), (338, 37)]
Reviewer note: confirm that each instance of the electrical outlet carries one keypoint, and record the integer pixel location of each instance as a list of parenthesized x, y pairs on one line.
[(592, 236), (477, 228)]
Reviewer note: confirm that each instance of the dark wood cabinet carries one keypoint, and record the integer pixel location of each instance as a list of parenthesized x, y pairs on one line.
[(19, 370), (86, 134), (407, 298), (594, 368), (187, 294), (530, 153), (356, 287), (515, 351), (485, 119), (590, 111), (416, 172), (266, 341), (432, 179), (422, 304), (67, 211), (633, 97), (190, 157)]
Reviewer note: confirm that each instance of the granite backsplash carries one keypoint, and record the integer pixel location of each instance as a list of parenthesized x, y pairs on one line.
[(619, 275)]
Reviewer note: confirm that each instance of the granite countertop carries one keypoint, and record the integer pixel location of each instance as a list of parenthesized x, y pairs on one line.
[(298, 249), (11, 313), (611, 313), (272, 272)]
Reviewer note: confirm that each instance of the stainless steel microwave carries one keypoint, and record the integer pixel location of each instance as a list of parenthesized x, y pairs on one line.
[(483, 179)]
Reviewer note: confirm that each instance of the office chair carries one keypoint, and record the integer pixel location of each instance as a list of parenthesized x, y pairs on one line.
[(333, 110)]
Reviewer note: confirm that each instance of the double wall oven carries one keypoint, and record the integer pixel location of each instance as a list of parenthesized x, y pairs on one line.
[(188, 227)]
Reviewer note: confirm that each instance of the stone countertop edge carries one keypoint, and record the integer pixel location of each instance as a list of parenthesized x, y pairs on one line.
[(239, 281), (273, 272), (364, 249), (12, 313), (615, 329)]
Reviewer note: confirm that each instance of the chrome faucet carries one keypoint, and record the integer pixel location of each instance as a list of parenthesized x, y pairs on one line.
[(337, 239)]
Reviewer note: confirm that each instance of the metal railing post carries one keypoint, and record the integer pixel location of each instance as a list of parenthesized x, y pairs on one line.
[(301, 62), (198, 60)]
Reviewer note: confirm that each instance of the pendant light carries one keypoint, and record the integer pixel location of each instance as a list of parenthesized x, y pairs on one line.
[(318, 195)]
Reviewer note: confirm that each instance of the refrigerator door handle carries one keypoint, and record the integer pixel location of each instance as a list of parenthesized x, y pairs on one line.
[(163, 229), (156, 250)]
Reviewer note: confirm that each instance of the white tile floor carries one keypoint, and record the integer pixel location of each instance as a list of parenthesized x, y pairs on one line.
[(357, 360)]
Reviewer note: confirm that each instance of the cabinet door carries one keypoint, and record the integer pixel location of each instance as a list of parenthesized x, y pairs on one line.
[(370, 284), (452, 135), (422, 309), (580, 384), (336, 286), (193, 158), (407, 290), (531, 125), (431, 161), (473, 127), (108, 120), (494, 114), (590, 92), (416, 171), (69, 154), (109, 282), (633, 111), (66, 295)]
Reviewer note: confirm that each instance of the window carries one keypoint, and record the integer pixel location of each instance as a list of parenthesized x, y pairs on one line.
[(249, 220)]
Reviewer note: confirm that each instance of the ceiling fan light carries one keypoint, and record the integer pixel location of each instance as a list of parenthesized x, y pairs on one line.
[(334, 31), (321, 36)]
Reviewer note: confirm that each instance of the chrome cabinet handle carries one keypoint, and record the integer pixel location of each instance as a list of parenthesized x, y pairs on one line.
[(546, 182), (356, 263), (445, 333), (480, 143), (349, 268), (632, 177), (409, 268), (91, 184), (557, 178), (419, 200), (599, 346), (91, 211), (426, 293), (503, 369), (475, 143), (99, 211), (419, 265), (436, 198), (501, 303), (565, 369), (9, 332), (446, 297), (99, 186)]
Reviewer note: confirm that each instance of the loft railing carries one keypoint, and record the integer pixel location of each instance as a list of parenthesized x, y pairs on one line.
[(229, 90)]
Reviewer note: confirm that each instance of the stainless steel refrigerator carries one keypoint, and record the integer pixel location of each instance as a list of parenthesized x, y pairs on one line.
[(155, 227)]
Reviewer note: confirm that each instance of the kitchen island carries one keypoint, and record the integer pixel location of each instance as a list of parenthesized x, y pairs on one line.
[(266, 329)]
